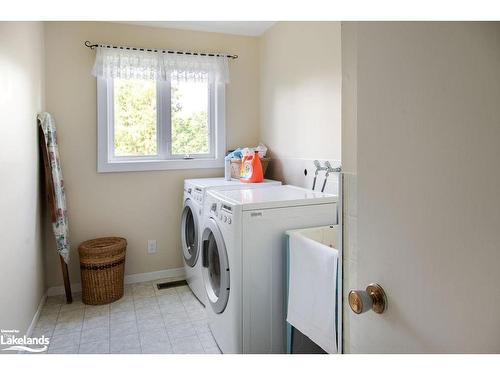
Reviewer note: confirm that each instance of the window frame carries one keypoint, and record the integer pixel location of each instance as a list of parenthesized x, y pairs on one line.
[(164, 160)]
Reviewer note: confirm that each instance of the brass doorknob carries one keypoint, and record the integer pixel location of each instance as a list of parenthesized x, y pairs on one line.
[(372, 298)]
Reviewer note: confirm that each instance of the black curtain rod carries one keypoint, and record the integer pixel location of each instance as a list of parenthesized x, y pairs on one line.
[(92, 46)]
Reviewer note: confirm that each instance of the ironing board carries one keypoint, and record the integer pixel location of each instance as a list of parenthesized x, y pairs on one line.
[(54, 188)]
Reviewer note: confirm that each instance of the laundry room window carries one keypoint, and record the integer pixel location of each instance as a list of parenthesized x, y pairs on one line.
[(159, 109), (135, 128), (189, 116), (157, 125)]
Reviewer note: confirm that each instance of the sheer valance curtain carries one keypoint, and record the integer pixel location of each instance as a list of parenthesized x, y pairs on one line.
[(130, 64)]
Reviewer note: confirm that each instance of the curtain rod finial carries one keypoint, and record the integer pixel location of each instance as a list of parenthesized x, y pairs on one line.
[(90, 45)]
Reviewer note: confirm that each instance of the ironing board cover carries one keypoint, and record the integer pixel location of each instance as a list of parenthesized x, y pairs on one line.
[(60, 225)]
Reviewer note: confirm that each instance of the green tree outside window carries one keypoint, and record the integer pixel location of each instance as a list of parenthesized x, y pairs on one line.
[(135, 129)]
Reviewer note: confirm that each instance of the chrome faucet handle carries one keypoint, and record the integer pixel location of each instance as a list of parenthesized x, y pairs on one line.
[(318, 166), (330, 169)]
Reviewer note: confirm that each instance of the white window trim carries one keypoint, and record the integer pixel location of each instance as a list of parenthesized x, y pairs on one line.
[(106, 162)]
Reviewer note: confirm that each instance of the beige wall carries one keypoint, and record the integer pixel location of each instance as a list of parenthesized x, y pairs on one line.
[(138, 205), (21, 97), (428, 212), (300, 87)]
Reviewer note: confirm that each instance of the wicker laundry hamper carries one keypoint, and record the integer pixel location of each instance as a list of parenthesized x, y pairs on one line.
[(102, 266)]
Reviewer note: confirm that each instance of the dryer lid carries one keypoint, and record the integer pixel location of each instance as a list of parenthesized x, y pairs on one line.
[(273, 197), (221, 182)]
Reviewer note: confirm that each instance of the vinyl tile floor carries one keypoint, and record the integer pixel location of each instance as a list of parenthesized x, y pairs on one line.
[(145, 320)]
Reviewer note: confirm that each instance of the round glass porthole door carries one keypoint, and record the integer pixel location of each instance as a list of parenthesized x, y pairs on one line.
[(215, 267), (189, 233)]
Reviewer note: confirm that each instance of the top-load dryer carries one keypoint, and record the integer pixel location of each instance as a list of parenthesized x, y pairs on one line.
[(194, 195), (243, 250)]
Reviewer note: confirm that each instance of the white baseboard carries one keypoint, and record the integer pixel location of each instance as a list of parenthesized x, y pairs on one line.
[(34, 321), (129, 279)]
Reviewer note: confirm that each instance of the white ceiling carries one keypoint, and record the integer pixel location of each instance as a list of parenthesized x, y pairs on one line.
[(250, 28)]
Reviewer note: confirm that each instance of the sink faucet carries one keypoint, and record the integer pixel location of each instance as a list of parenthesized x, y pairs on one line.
[(329, 169), (318, 166)]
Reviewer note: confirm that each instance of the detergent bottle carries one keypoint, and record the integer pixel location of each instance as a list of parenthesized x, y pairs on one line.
[(251, 168)]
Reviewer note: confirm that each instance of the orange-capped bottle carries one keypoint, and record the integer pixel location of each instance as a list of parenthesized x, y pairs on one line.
[(251, 169)]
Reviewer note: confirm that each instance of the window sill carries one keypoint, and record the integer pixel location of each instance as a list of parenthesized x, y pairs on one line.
[(158, 165)]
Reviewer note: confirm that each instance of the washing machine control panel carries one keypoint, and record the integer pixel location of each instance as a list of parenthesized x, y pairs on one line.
[(226, 213), (198, 194), (222, 213), (195, 193), (219, 211)]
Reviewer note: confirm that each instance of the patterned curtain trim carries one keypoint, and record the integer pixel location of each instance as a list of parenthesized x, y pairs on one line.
[(60, 226), (129, 64)]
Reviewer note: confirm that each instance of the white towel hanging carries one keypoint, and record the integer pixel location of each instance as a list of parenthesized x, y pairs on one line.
[(312, 299)]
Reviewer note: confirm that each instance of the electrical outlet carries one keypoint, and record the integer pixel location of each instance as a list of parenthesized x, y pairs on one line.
[(151, 246)]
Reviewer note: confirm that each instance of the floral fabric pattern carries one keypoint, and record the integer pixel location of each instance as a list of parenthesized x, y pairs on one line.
[(60, 226)]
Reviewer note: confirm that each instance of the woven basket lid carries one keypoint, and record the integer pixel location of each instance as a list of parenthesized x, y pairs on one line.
[(102, 247)]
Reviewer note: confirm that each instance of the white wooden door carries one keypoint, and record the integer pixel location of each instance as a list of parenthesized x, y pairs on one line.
[(421, 150)]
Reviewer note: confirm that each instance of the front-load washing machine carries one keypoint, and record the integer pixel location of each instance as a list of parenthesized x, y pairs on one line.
[(242, 259), (194, 194)]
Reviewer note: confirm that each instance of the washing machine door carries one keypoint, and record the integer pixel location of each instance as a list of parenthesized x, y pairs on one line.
[(215, 266), (189, 233)]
